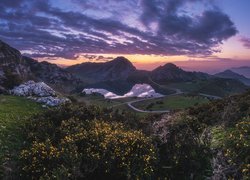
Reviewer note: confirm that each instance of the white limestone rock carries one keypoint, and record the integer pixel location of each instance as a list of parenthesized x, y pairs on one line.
[(138, 90), (39, 92), (51, 101), (32, 88)]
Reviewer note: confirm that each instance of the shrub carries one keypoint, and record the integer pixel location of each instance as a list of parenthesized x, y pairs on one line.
[(76, 145), (237, 148), (183, 152)]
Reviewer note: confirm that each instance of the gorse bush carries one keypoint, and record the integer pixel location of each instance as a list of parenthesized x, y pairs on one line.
[(184, 153), (237, 148), (86, 148)]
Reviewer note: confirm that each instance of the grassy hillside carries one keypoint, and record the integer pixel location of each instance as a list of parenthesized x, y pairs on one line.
[(13, 113), (214, 86), (171, 102)]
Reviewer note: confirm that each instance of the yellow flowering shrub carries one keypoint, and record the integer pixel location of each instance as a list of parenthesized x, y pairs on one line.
[(237, 147), (91, 149)]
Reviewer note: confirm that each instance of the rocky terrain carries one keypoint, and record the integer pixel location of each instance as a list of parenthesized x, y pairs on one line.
[(15, 69), (40, 92), (118, 69)]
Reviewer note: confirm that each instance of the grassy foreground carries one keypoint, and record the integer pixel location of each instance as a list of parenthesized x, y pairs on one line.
[(13, 113)]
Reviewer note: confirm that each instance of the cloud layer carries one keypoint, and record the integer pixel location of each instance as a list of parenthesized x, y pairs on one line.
[(43, 28)]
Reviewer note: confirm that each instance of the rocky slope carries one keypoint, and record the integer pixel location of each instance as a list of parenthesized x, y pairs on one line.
[(40, 92), (120, 68), (15, 69)]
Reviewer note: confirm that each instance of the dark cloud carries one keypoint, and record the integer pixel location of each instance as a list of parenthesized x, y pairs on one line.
[(41, 29), (245, 41)]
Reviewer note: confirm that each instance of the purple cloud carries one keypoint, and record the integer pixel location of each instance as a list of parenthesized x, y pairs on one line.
[(43, 29), (245, 41)]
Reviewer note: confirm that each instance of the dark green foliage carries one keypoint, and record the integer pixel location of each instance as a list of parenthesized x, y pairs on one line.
[(85, 142), (227, 111), (185, 154)]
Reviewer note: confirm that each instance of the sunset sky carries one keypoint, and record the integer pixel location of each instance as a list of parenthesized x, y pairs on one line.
[(205, 35)]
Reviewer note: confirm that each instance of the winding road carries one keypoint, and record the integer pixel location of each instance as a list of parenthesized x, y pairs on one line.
[(177, 92)]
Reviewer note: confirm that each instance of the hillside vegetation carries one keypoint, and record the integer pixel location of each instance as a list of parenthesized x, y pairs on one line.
[(14, 112), (90, 142)]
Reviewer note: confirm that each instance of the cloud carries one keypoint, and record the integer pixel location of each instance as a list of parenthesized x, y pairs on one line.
[(245, 41), (43, 29)]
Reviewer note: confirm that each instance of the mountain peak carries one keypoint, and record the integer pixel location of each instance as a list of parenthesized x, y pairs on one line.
[(120, 60), (170, 66)]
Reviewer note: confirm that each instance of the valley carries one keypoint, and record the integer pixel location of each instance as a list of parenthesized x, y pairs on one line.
[(181, 117)]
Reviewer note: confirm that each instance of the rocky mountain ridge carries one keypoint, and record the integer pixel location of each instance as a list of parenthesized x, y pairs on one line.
[(15, 69), (119, 68)]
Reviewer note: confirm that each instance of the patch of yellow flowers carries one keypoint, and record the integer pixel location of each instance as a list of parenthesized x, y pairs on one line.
[(96, 144), (238, 146)]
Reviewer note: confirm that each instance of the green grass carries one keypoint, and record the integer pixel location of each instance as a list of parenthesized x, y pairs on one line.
[(171, 102), (219, 134), (116, 104), (13, 113)]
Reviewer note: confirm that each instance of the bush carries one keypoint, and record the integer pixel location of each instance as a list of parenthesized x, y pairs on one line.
[(183, 152), (74, 144), (237, 148)]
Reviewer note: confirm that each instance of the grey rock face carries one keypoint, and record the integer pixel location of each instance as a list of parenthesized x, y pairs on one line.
[(39, 92), (9, 54), (31, 88)]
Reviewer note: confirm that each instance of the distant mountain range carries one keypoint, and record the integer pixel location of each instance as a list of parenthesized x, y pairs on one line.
[(229, 74), (118, 75), (244, 70)]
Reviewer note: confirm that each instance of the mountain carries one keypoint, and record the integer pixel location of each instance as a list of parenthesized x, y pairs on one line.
[(15, 69), (118, 69), (9, 54), (221, 87), (229, 74), (171, 73), (244, 70), (118, 75)]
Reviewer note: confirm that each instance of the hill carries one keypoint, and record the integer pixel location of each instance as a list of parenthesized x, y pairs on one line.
[(171, 73), (229, 74)]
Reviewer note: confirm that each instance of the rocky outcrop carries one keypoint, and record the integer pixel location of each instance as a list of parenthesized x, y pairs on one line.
[(39, 92), (31, 88), (51, 101), (15, 69), (9, 54)]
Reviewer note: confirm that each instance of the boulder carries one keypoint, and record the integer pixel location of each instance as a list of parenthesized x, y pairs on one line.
[(39, 92), (32, 88)]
